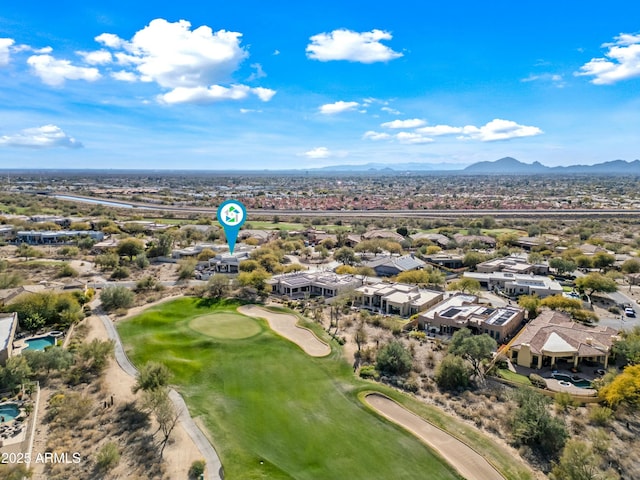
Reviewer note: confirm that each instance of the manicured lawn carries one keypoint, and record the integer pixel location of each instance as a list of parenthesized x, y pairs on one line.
[(229, 326), (273, 411), (514, 377)]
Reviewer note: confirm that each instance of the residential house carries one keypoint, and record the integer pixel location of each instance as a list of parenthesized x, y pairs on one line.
[(437, 238), (514, 284), (390, 266), (514, 263), (498, 323), (529, 243), (8, 325), (395, 298), (301, 284), (228, 262), (447, 260), (61, 237), (426, 319), (383, 234), (261, 236), (553, 339), (482, 239)]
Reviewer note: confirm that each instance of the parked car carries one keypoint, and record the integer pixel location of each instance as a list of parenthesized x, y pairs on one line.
[(629, 312)]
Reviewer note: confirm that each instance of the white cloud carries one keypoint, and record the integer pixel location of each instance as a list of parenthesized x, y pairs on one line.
[(554, 78), (410, 123), (498, 129), (437, 130), (364, 47), (622, 61), (5, 44), (259, 72), (372, 135), (319, 152), (338, 107), (214, 93), (54, 72), (173, 55), (97, 57), (412, 138), (110, 40), (47, 136), (194, 65), (124, 76), (390, 110)]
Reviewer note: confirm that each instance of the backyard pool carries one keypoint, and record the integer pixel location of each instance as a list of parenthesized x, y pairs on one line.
[(8, 412), (575, 381), (40, 343)]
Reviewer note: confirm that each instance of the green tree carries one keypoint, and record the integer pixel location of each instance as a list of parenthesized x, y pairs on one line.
[(624, 389), (256, 279), (152, 376), (596, 282), (562, 265), (452, 373), (249, 265), (162, 246), (116, 297), (603, 260), (158, 403), (471, 259), (15, 372), (218, 286), (465, 285), (531, 303), (394, 359), (92, 357), (580, 461), (33, 322), (420, 277), (346, 255), (107, 260), (533, 425), (473, 348), (186, 267), (629, 346), (130, 247), (631, 266)]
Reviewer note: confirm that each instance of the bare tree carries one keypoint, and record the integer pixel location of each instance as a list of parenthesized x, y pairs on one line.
[(158, 403)]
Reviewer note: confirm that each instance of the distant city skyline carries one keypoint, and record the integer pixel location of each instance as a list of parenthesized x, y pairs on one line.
[(274, 85)]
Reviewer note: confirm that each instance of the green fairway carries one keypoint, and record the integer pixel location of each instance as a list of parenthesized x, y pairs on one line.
[(230, 326), (273, 411)]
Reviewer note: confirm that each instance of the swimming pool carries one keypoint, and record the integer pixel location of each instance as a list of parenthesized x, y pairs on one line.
[(575, 381), (8, 412), (40, 343)]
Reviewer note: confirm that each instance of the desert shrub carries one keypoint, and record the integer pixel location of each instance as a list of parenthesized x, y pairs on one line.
[(394, 359), (452, 373), (116, 297), (600, 415), (369, 371), (418, 335), (120, 272), (196, 469), (564, 401), (108, 456), (537, 381)]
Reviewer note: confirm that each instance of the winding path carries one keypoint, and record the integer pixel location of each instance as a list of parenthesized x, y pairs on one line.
[(286, 325), (213, 465), (469, 463)]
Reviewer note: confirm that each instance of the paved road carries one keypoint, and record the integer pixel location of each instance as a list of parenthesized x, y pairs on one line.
[(214, 466), (370, 213), (469, 463)]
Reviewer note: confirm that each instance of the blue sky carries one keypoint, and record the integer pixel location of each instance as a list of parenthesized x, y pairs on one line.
[(266, 85)]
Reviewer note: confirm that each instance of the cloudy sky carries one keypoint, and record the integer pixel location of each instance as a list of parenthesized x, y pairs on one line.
[(228, 85)]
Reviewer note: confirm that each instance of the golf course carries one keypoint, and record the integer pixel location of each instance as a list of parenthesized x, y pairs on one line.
[(272, 411)]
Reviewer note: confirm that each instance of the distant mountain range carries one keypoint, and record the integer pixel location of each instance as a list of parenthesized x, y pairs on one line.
[(511, 166), (503, 166)]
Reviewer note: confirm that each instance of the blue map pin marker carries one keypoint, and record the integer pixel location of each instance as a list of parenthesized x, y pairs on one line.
[(231, 215)]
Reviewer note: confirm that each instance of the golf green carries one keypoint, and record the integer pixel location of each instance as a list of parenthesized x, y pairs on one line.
[(272, 411), (225, 326)]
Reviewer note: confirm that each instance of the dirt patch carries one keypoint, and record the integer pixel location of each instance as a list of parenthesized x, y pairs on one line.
[(287, 325)]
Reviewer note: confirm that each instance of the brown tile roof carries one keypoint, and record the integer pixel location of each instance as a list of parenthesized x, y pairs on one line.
[(589, 341)]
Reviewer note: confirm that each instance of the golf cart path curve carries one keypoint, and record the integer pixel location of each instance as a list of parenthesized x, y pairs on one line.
[(469, 463), (286, 325), (213, 469)]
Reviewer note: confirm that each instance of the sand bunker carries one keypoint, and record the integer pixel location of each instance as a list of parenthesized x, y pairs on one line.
[(287, 325)]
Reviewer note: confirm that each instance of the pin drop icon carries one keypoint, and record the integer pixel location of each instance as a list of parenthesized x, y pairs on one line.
[(231, 215)]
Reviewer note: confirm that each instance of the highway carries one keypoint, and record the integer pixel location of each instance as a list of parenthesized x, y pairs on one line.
[(539, 213)]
